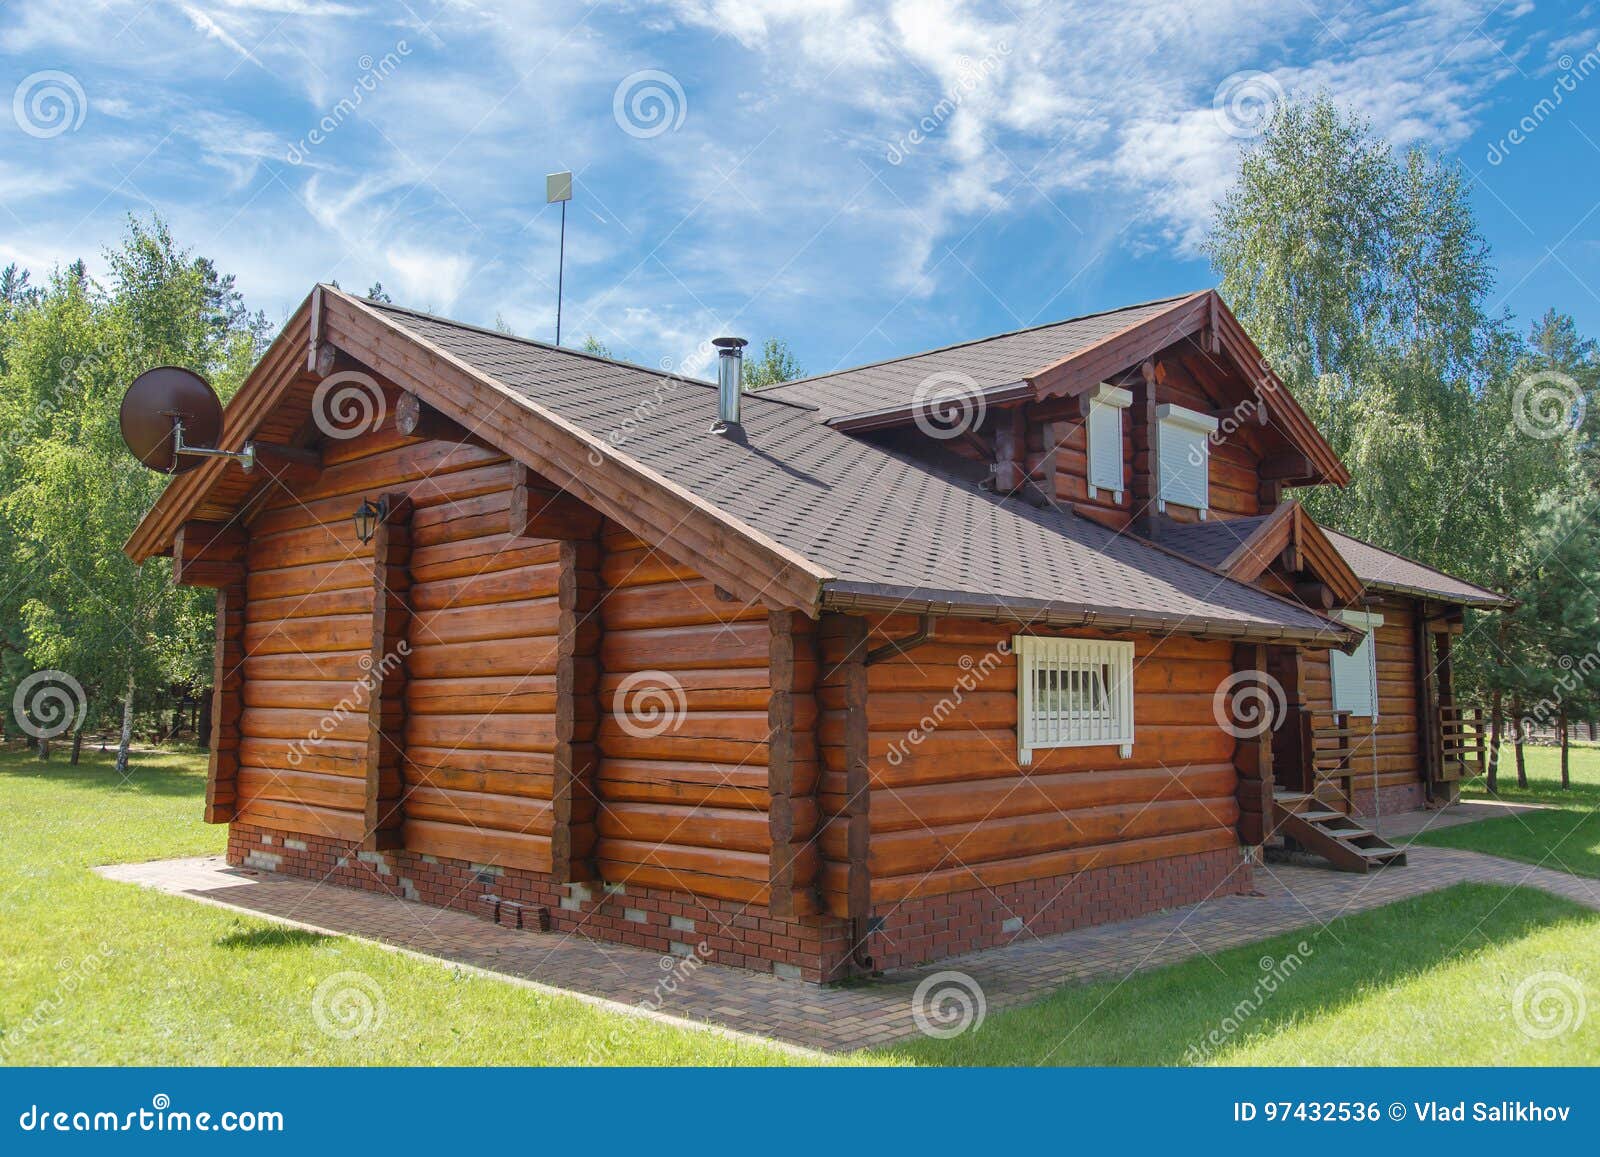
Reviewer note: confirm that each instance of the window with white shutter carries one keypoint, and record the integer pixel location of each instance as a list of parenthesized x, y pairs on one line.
[(1183, 457), (1073, 693), (1105, 439), (1355, 676)]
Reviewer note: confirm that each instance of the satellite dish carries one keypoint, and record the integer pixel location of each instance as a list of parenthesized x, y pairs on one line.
[(172, 420)]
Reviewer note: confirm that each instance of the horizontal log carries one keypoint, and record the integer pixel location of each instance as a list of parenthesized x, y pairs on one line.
[(958, 877), (698, 827), (478, 846), (901, 852)]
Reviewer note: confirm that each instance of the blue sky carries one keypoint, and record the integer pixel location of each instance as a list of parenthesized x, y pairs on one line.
[(862, 179)]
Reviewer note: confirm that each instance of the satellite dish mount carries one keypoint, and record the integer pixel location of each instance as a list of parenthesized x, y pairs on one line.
[(172, 420)]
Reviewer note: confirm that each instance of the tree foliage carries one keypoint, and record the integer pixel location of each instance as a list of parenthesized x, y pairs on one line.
[(70, 494), (774, 365), (1365, 280)]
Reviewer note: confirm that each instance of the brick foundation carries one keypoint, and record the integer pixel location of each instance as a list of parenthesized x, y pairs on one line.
[(923, 930), (1400, 797), (727, 932)]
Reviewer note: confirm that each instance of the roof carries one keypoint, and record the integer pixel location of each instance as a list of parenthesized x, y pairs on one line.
[(992, 362), (888, 530), (1385, 570), (1212, 542)]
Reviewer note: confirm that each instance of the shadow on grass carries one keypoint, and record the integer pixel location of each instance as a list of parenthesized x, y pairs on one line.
[(1167, 1016), (258, 938), (179, 773)]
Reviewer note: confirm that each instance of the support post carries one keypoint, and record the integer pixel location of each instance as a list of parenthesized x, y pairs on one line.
[(792, 768), (227, 704), (386, 676)]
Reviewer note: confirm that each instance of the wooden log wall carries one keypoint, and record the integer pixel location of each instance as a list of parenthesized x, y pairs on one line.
[(1059, 426), (685, 692), (844, 790), (952, 810), (1390, 757)]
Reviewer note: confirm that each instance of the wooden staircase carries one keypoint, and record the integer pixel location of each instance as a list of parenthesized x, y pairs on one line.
[(1312, 826)]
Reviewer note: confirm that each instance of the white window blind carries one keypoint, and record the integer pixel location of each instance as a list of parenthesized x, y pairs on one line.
[(1073, 693), (1105, 439), (1355, 676), (1183, 457)]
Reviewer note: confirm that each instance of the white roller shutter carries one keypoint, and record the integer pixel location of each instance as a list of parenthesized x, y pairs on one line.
[(1183, 457)]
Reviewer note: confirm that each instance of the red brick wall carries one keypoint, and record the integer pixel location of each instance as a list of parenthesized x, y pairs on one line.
[(922, 930), (744, 936), (1399, 797), (721, 931)]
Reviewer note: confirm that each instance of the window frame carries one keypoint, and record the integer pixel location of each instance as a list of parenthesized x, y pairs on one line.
[(1112, 400), (1199, 429), (1368, 623), (1108, 663)]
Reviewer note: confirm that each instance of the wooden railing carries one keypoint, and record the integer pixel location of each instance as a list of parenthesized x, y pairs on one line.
[(1332, 764), (1463, 740)]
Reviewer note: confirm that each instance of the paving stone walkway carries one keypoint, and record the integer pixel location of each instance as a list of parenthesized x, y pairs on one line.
[(857, 1016)]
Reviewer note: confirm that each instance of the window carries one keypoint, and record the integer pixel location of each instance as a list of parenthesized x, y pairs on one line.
[(1183, 457), (1355, 676), (1105, 439), (1073, 693)]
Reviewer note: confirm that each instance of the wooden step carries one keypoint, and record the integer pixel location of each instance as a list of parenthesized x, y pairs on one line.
[(1334, 836)]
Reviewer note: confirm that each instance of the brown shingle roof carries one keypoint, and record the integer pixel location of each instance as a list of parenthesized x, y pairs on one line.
[(885, 527), (992, 362), (1213, 541), (1384, 569)]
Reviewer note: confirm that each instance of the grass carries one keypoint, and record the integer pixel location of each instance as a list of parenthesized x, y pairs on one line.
[(100, 973), (1426, 982), (96, 972), (1565, 837)]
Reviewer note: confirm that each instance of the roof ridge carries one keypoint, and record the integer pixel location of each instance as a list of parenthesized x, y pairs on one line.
[(682, 379), (986, 338)]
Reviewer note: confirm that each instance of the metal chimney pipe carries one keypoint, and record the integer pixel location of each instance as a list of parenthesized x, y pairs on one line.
[(730, 379)]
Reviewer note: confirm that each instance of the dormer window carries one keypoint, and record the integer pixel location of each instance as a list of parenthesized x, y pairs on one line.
[(1105, 440), (1183, 458)]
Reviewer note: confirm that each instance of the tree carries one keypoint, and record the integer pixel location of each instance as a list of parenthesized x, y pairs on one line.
[(776, 364), (69, 492), (1365, 280), (593, 345), (1552, 638), (376, 293)]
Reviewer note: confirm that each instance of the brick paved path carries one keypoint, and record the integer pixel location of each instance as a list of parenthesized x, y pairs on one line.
[(856, 1016)]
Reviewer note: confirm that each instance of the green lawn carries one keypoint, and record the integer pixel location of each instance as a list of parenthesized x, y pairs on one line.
[(1566, 838), (1431, 981), (96, 972)]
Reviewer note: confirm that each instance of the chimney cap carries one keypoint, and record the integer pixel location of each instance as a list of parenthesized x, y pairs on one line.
[(729, 343)]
